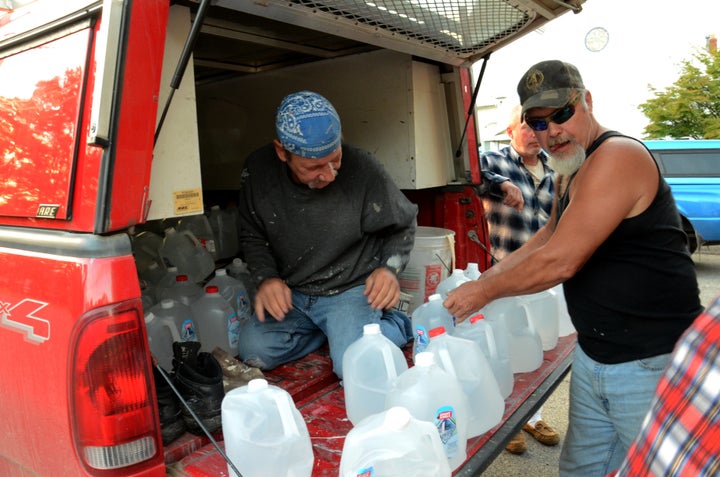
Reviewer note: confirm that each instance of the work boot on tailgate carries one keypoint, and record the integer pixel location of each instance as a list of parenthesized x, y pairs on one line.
[(169, 407), (198, 377)]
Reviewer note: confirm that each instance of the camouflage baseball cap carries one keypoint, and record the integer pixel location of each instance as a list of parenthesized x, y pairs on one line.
[(548, 84)]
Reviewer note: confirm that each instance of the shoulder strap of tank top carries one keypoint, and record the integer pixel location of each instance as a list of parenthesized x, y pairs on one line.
[(596, 143)]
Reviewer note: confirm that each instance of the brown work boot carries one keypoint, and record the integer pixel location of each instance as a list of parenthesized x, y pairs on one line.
[(235, 372), (517, 445), (543, 433)]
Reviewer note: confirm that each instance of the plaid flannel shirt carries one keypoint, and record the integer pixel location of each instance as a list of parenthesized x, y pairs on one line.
[(681, 433), (510, 229)]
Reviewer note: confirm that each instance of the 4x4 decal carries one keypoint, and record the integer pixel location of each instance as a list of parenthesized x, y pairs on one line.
[(22, 317)]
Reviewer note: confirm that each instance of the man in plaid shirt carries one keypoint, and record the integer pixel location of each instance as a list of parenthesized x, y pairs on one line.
[(521, 189), (681, 433), (520, 201)]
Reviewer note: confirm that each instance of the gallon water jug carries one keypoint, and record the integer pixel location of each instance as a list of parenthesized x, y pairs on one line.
[(526, 353), (427, 316), (233, 291), (183, 250), (225, 230), (199, 226), (472, 271), (181, 315), (166, 281), (542, 309), (184, 291), (392, 443), (370, 365), (217, 320), (456, 278), (265, 435), (432, 394), (161, 333), (239, 270), (476, 328), (565, 326), (146, 247), (463, 359)]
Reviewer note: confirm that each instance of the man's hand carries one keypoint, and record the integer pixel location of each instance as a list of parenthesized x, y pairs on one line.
[(513, 196), (274, 296), (466, 299), (382, 289)]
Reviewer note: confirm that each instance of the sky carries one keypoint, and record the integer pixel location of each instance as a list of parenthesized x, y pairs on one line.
[(648, 40)]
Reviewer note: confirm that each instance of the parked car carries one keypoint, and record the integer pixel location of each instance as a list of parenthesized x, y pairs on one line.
[(692, 168)]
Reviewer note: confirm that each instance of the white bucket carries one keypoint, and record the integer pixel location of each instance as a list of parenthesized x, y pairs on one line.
[(431, 260)]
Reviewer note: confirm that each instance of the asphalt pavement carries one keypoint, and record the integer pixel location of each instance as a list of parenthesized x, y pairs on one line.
[(542, 461)]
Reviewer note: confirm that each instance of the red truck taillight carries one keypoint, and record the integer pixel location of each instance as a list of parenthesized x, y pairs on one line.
[(111, 394)]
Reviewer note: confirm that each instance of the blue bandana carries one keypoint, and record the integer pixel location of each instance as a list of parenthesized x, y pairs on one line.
[(308, 125)]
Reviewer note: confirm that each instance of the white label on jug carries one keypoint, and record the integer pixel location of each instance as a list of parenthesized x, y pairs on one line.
[(366, 472), (446, 424), (422, 339), (433, 277), (233, 330), (188, 332)]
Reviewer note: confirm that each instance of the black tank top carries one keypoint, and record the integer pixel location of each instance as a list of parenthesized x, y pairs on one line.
[(638, 292)]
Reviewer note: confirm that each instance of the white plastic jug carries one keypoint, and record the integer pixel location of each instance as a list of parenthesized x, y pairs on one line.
[(427, 316), (542, 309), (370, 365), (526, 353), (456, 278), (146, 247), (265, 435), (184, 291), (199, 226), (565, 326), (183, 250), (239, 270), (225, 230), (161, 333), (218, 321), (233, 291), (463, 359), (483, 332), (432, 394), (472, 271), (392, 443), (166, 281), (181, 315)]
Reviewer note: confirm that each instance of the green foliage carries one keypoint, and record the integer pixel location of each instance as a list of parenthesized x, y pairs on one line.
[(690, 108)]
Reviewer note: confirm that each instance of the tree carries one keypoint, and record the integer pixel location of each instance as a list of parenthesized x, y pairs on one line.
[(690, 108)]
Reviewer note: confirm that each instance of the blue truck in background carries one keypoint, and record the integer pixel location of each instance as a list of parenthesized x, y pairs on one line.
[(692, 168)]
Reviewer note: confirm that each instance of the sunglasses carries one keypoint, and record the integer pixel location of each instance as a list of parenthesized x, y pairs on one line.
[(558, 117)]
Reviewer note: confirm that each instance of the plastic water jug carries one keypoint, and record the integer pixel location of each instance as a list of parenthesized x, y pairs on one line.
[(218, 322), (472, 271), (265, 435), (370, 365), (181, 315), (427, 316), (147, 295), (456, 278), (526, 353), (476, 328), (225, 230), (432, 394), (233, 291), (183, 250), (146, 247), (166, 281), (239, 270), (199, 226), (463, 359), (565, 326), (392, 443), (184, 291), (542, 309), (161, 333)]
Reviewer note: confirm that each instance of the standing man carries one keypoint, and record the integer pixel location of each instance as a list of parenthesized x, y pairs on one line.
[(325, 232), (615, 241), (519, 203)]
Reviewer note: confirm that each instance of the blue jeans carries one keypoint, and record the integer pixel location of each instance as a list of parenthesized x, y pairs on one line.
[(608, 403), (339, 319)]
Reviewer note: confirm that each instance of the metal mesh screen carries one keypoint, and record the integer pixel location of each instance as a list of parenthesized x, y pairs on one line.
[(459, 26)]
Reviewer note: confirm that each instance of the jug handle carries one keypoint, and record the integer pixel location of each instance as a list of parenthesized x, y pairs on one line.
[(492, 346), (526, 309), (191, 236), (389, 363), (286, 415), (444, 357), (173, 331)]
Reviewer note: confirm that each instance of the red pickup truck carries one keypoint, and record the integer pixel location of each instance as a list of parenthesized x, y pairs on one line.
[(122, 113)]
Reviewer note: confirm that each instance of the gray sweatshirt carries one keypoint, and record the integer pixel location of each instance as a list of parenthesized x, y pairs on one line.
[(323, 241)]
